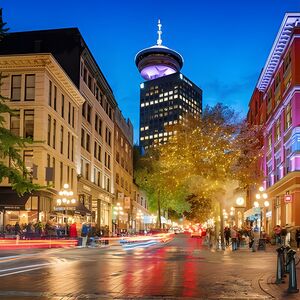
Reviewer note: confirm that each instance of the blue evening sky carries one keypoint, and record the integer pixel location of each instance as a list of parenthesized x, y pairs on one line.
[(224, 43)]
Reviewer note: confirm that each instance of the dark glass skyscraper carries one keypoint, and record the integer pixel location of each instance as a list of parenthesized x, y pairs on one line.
[(166, 96)]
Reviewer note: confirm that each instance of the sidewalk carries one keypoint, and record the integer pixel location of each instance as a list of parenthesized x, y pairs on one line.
[(279, 291), (267, 281)]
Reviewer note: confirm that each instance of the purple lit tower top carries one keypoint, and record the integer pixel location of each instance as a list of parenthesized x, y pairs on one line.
[(158, 60)]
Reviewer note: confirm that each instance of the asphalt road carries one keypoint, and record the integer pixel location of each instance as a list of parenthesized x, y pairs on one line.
[(182, 268)]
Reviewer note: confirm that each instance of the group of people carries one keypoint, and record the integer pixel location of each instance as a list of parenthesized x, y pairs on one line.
[(52, 229), (284, 235), (239, 236)]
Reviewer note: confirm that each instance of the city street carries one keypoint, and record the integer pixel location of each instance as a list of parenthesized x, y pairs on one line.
[(182, 268)]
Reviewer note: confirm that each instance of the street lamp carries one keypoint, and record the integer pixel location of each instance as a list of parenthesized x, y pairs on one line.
[(139, 216), (66, 199), (261, 195), (118, 210), (239, 216)]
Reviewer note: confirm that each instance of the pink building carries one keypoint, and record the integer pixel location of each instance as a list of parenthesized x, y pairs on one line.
[(275, 104)]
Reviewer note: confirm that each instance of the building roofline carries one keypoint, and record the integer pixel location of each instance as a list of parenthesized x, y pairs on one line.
[(75, 30), (281, 41), (47, 61)]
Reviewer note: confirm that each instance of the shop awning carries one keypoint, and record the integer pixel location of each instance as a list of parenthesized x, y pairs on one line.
[(10, 200), (82, 210)]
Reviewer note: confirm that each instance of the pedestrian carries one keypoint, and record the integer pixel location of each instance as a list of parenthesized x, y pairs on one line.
[(233, 235), (251, 240), (84, 233), (297, 238), (227, 235), (73, 230), (277, 231), (17, 229)]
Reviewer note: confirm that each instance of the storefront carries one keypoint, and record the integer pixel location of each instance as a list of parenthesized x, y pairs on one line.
[(23, 209)]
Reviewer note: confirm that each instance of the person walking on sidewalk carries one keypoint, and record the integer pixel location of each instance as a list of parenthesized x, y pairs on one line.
[(227, 235), (233, 234), (297, 238)]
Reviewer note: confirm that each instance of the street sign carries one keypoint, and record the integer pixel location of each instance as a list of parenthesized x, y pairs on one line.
[(288, 198)]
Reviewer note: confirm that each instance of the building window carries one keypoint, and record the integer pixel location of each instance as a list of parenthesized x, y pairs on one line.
[(53, 165), (82, 137), (87, 167), (88, 117), (95, 150), (88, 139), (277, 130), (61, 139), (15, 123), (49, 131), (16, 88), (118, 157), (288, 116), (29, 87), (99, 179), (117, 178), (62, 105), (99, 153), (73, 117), (54, 97), (72, 149), (100, 127), (269, 141), (69, 146), (28, 123), (72, 178), (69, 114), (108, 136), (96, 122), (61, 175), (89, 82), (107, 185), (107, 160), (85, 75), (54, 133), (50, 93)]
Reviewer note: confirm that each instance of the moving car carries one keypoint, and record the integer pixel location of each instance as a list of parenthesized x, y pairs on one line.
[(196, 234)]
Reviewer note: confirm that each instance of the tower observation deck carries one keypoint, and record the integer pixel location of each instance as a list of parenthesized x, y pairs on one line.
[(158, 61)]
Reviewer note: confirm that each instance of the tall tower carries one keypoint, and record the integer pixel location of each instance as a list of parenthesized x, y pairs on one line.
[(166, 96)]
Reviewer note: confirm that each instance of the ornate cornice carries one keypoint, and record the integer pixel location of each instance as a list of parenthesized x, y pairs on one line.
[(290, 21), (42, 61)]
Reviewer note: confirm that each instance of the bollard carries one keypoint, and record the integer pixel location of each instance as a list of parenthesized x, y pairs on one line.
[(285, 259), (292, 272), (280, 270)]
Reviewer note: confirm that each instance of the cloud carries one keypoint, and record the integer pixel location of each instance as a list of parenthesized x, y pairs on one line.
[(236, 93)]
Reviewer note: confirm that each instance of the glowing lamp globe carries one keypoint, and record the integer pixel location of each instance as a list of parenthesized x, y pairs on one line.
[(240, 201)]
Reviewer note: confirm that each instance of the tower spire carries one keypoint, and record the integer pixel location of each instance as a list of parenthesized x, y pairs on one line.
[(159, 32)]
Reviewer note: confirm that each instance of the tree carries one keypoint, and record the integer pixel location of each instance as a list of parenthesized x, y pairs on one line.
[(204, 157), (11, 162)]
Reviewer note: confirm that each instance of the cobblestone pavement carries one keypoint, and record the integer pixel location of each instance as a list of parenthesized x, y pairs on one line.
[(180, 269)]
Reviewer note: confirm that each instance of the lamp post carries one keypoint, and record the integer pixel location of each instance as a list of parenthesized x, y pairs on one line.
[(139, 216), (240, 201), (65, 200), (261, 196), (118, 210)]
